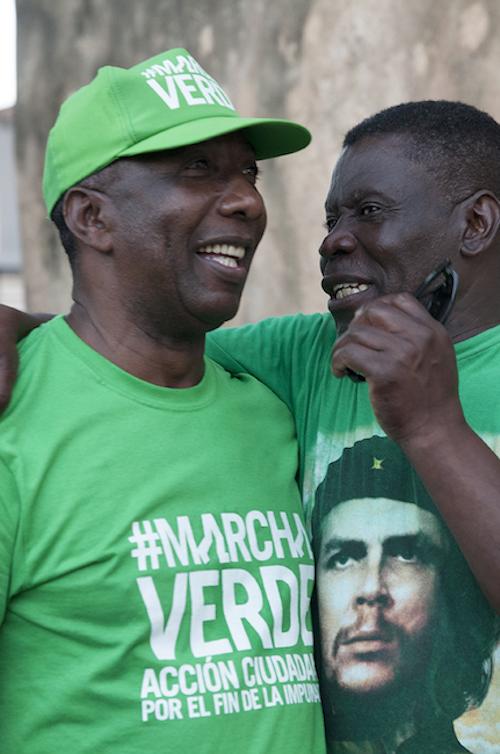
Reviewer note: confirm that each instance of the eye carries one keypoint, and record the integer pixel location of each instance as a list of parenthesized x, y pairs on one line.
[(330, 223), (199, 164), (405, 552), (369, 209), (252, 172), (405, 557), (339, 561), (345, 556)]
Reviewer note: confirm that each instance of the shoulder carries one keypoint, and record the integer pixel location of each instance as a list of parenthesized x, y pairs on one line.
[(296, 325), (41, 360), (244, 390), (278, 332)]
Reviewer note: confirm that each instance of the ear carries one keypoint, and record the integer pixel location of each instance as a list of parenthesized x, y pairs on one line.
[(86, 215), (482, 221)]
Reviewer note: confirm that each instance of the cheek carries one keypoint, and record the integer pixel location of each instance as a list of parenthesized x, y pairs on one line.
[(414, 600), (335, 596)]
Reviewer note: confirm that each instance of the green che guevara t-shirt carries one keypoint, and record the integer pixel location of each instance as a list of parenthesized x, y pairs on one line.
[(155, 571), (403, 624)]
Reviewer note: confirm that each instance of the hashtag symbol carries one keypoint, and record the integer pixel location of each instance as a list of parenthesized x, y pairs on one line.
[(146, 549)]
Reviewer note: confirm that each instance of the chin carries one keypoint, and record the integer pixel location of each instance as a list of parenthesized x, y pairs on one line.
[(342, 321), (216, 319), (366, 679)]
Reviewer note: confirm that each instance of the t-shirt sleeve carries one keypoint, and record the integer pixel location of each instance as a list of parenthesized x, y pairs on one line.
[(9, 522), (276, 351)]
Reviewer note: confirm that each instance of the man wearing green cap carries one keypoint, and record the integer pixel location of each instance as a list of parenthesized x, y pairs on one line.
[(122, 113), (155, 571)]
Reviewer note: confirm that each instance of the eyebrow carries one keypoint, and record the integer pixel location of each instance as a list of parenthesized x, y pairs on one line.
[(423, 545), (358, 195), (337, 543)]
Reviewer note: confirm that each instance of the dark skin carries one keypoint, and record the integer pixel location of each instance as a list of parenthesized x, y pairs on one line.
[(390, 224), (379, 206), (144, 294), (146, 288)]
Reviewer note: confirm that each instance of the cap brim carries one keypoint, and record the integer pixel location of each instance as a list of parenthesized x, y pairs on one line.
[(269, 137)]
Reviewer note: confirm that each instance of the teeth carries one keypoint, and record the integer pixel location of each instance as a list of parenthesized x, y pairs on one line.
[(226, 261), (342, 290), (224, 249)]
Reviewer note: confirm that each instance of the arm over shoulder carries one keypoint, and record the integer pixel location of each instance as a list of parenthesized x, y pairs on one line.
[(275, 351), (14, 325)]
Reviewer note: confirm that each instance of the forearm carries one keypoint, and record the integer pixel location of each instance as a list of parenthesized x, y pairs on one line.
[(462, 475), (18, 322)]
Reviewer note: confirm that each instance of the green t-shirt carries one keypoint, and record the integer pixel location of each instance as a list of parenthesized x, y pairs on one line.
[(155, 571), (389, 577)]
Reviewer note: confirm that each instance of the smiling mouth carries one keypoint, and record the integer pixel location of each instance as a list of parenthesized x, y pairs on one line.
[(344, 290), (224, 254)]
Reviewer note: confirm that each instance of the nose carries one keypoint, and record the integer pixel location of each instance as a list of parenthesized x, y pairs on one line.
[(241, 198), (373, 600), (340, 240), (373, 590)]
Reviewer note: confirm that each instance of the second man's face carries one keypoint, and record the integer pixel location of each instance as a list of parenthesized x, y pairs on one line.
[(378, 590), (389, 225)]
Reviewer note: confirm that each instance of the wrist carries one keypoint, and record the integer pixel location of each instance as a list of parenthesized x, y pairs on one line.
[(433, 436)]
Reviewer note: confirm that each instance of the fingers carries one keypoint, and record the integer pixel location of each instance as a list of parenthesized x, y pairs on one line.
[(396, 326), (408, 361), (395, 333), (376, 356), (396, 313), (356, 349)]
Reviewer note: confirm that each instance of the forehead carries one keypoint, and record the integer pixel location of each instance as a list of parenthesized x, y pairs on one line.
[(379, 164), (373, 520), (140, 173), (233, 146)]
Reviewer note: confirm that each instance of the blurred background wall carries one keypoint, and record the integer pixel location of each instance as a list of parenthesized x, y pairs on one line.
[(326, 63)]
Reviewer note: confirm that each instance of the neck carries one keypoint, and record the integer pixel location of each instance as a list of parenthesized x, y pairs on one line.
[(140, 350), (477, 306), (389, 719), (464, 327)]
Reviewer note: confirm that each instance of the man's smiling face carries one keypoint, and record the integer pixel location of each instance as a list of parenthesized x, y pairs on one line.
[(389, 224), (186, 225)]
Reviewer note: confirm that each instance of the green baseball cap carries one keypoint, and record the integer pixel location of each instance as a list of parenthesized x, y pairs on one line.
[(165, 102)]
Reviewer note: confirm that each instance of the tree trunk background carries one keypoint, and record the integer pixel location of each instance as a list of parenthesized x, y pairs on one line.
[(325, 63)]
